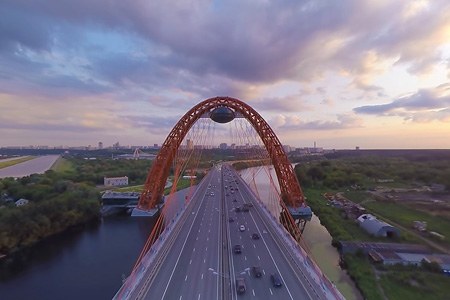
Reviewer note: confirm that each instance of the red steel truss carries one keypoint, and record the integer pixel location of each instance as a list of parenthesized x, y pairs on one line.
[(291, 193)]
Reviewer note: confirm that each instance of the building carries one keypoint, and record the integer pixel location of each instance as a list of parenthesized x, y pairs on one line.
[(21, 202), (115, 181), (379, 228)]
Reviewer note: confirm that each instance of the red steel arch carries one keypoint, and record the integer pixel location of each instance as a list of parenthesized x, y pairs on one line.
[(291, 193)]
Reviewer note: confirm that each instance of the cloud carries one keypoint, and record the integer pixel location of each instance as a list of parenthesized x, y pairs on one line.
[(423, 106), (300, 41), (291, 123), (292, 103)]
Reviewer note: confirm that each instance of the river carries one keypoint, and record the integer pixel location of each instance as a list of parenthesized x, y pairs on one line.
[(88, 263)]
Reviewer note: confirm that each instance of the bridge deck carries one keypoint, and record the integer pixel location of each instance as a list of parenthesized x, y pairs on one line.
[(196, 259)]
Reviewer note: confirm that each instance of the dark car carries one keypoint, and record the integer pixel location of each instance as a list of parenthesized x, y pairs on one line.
[(240, 285), (255, 236), (237, 249), (257, 271), (276, 280)]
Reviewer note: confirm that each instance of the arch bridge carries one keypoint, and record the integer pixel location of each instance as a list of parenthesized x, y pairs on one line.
[(291, 193)]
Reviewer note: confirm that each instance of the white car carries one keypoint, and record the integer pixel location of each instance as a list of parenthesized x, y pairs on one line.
[(242, 228)]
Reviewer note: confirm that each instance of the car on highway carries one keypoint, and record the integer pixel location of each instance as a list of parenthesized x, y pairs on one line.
[(276, 280), (257, 271), (255, 236), (242, 228), (237, 249), (240, 285)]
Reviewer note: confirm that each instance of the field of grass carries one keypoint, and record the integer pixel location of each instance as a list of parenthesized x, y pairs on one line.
[(360, 270), (4, 164), (415, 285), (134, 188), (182, 183), (63, 165)]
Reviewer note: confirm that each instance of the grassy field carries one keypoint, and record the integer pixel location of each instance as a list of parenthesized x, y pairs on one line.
[(415, 285), (4, 164), (134, 188), (62, 165)]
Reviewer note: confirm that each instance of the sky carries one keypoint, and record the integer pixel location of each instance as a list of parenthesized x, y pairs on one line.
[(373, 74)]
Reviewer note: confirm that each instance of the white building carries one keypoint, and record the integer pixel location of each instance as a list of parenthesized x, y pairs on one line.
[(115, 181), (21, 202)]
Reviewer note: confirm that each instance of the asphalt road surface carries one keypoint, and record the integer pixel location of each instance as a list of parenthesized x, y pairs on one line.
[(201, 263), (38, 165)]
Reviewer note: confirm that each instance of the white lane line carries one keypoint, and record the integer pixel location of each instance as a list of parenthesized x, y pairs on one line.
[(206, 249), (181, 297), (254, 246), (202, 275), (259, 258), (190, 262), (270, 290), (185, 279), (204, 260), (193, 250), (198, 296), (253, 291), (245, 257)]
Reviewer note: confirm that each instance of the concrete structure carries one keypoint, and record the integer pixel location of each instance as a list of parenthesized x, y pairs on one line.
[(115, 181), (22, 202)]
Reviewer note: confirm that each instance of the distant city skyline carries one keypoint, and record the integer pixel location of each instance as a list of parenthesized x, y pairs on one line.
[(373, 74)]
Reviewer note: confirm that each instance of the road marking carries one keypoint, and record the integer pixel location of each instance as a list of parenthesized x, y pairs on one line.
[(202, 275), (254, 246), (185, 279), (198, 296), (259, 258), (204, 260), (193, 250), (270, 290), (181, 297), (245, 257), (264, 272), (190, 262), (253, 291), (206, 249)]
